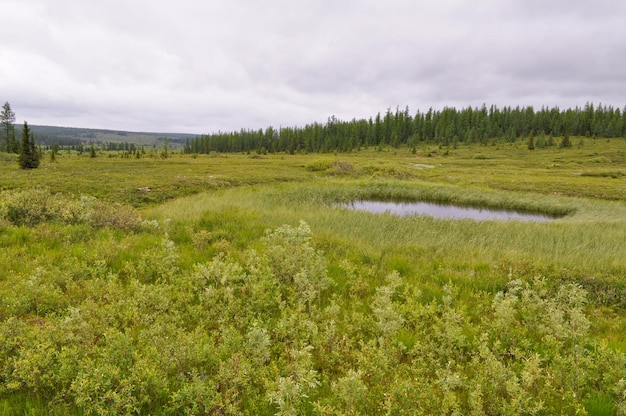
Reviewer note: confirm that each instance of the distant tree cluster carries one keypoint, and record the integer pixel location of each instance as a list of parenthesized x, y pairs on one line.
[(446, 127), (121, 146), (29, 154), (47, 140)]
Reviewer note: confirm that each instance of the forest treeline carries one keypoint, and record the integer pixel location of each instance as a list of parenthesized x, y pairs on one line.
[(446, 127)]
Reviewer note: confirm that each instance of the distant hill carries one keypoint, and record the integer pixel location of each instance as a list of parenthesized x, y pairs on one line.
[(74, 136)]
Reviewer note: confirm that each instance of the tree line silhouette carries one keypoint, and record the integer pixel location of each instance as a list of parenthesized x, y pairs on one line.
[(446, 127)]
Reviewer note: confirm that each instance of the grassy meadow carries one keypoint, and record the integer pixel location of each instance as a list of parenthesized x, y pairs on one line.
[(237, 284)]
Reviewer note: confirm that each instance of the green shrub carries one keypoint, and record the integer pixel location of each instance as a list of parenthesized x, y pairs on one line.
[(33, 206), (29, 207), (264, 332), (319, 165)]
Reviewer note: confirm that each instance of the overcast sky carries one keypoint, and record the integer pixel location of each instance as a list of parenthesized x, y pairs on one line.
[(198, 66)]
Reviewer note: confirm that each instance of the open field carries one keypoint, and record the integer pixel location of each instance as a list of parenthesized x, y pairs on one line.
[(234, 283)]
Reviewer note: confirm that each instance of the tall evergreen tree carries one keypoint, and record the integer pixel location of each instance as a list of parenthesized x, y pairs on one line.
[(531, 140), (7, 119), (29, 156)]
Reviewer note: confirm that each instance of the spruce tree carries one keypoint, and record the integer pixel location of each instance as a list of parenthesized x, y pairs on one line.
[(28, 157), (531, 141), (53, 152), (7, 119)]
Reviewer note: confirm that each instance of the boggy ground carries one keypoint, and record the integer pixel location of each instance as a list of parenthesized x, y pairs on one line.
[(235, 284)]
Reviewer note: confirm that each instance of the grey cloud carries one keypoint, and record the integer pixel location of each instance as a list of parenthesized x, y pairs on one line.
[(201, 66)]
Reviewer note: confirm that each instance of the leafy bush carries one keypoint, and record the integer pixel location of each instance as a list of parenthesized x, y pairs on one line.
[(293, 260), (34, 206), (342, 167), (319, 165), (29, 207), (264, 332)]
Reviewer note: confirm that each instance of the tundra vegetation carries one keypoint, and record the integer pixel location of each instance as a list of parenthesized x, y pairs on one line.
[(235, 283)]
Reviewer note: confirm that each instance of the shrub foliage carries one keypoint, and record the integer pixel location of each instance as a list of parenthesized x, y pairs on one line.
[(266, 331), (33, 206)]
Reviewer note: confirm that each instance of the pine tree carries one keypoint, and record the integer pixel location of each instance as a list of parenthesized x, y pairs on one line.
[(541, 140), (53, 152), (165, 152), (531, 141), (29, 156), (7, 119)]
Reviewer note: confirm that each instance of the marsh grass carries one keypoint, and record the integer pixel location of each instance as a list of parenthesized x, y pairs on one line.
[(147, 181), (585, 246), (223, 202), (589, 233), (155, 286), (32, 405)]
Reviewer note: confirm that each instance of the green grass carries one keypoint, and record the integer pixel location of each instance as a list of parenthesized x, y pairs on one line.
[(148, 180), (595, 170), (92, 291), (237, 196), (589, 234), (22, 405)]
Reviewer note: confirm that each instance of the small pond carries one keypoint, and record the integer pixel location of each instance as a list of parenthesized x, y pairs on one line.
[(443, 211)]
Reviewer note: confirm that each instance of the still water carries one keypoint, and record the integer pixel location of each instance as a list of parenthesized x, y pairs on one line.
[(443, 211)]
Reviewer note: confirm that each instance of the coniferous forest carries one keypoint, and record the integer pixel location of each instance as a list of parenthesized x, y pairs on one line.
[(446, 127)]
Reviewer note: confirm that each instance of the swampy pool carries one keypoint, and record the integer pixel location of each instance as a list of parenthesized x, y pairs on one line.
[(443, 211)]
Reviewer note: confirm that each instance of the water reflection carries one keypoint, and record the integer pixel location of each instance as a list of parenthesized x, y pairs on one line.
[(443, 211)]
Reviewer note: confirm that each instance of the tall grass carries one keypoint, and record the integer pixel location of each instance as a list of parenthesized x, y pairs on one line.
[(588, 238)]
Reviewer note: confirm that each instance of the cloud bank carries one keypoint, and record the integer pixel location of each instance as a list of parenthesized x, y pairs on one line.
[(198, 67)]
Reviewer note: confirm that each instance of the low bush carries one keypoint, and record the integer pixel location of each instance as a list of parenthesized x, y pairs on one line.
[(33, 206), (319, 165), (265, 332)]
